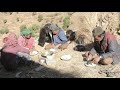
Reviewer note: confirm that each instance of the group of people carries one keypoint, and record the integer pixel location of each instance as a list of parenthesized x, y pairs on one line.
[(106, 49), (54, 35), (16, 50)]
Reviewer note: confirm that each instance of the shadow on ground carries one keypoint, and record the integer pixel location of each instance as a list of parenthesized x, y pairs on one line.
[(28, 72), (23, 68)]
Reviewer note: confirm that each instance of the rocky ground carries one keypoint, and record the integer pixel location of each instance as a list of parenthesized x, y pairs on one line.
[(73, 68)]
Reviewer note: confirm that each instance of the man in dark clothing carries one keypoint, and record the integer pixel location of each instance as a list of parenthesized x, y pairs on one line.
[(106, 49), (45, 35)]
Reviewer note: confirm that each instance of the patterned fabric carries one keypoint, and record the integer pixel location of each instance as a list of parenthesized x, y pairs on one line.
[(27, 43), (11, 40)]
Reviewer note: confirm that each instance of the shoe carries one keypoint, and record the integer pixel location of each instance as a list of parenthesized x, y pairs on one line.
[(89, 64)]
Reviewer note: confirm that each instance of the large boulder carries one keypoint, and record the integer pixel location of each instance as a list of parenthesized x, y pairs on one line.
[(85, 22)]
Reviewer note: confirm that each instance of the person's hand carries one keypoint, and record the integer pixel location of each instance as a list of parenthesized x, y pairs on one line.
[(89, 57), (86, 54), (95, 55), (63, 46), (96, 59), (49, 46)]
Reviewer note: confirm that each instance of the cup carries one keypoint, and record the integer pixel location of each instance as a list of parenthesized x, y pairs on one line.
[(42, 60)]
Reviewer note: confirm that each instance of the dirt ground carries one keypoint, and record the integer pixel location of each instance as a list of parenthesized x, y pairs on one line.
[(73, 68)]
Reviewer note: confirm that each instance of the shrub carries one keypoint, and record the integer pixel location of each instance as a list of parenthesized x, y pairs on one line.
[(17, 19), (70, 13), (34, 13), (4, 31), (35, 29), (66, 22), (10, 13), (40, 18), (22, 27), (5, 21)]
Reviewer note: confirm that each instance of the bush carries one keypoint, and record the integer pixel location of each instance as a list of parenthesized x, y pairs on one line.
[(22, 27), (66, 22), (40, 18), (17, 19), (5, 21), (34, 13), (4, 31), (10, 13), (35, 29), (70, 13)]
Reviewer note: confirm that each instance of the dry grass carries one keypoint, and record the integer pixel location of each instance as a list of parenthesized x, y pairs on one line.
[(62, 69)]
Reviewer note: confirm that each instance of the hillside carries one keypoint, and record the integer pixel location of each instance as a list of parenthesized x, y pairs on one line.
[(109, 21)]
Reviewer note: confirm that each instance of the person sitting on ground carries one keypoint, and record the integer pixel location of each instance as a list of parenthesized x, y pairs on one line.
[(26, 40), (45, 35), (59, 39), (106, 49), (11, 53)]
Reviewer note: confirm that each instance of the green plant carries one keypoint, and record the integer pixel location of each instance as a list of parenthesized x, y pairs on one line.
[(33, 34), (10, 13), (4, 31), (34, 13), (22, 27), (5, 21), (40, 18), (70, 13), (66, 22), (56, 14), (17, 19), (35, 29)]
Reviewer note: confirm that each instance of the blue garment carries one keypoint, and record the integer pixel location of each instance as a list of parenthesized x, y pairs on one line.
[(60, 38)]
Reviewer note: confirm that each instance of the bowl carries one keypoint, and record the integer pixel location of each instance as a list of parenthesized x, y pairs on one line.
[(53, 50), (42, 60), (66, 57), (33, 53), (0, 47), (89, 64), (47, 53)]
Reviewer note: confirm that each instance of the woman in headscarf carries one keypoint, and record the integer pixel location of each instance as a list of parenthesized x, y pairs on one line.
[(10, 57), (26, 40)]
